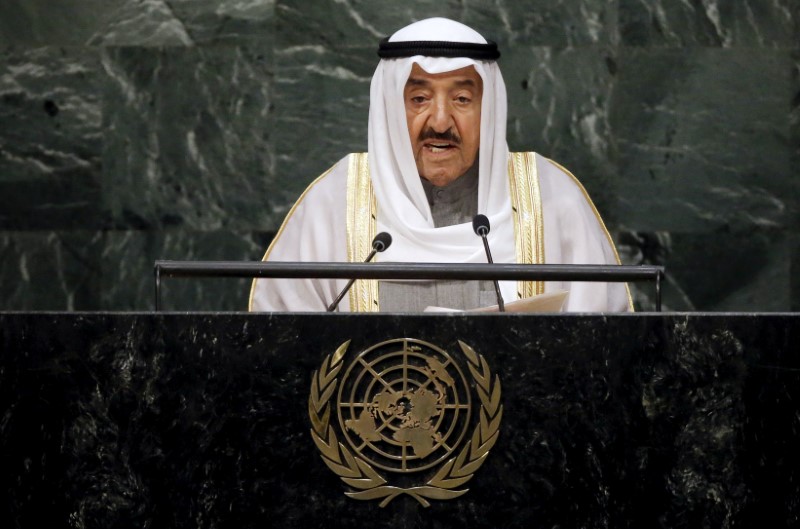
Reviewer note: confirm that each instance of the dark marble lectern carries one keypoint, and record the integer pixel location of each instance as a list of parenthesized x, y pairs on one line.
[(202, 420)]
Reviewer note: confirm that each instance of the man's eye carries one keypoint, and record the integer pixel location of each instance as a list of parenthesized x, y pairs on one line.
[(464, 99), (418, 99)]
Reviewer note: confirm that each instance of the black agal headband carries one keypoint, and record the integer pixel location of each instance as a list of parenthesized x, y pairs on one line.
[(438, 48)]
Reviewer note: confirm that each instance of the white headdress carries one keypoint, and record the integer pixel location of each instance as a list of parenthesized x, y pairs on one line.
[(403, 209)]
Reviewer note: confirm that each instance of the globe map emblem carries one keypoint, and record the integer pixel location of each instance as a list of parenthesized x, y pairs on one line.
[(404, 405)]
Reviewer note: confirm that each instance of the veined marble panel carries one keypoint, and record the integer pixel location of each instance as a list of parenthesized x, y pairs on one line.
[(650, 248), (350, 23), (36, 23), (703, 139), (726, 271), (188, 22), (726, 23), (794, 271), (542, 22), (745, 272), (794, 129), (227, 21), (321, 112), (795, 136), (559, 106), (341, 23), (50, 139), (189, 137), (127, 263), (113, 270), (47, 270)]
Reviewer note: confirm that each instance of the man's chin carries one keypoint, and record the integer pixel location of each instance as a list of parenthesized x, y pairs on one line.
[(439, 177)]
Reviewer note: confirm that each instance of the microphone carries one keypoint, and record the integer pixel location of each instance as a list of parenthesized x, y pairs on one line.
[(380, 243), (480, 225)]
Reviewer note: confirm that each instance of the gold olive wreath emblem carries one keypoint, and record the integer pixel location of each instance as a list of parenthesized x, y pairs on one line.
[(401, 423)]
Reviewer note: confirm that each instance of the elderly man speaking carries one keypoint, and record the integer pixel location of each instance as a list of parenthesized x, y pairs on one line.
[(437, 157)]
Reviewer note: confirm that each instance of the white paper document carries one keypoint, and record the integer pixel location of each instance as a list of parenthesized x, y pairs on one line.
[(548, 302)]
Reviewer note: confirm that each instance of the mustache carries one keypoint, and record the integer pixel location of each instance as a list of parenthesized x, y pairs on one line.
[(448, 135)]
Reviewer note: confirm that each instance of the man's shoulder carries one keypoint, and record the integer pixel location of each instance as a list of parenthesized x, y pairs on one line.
[(545, 167), (327, 187), (334, 174), (540, 159), (557, 182)]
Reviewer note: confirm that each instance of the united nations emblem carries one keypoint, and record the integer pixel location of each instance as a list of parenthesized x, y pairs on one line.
[(404, 412)]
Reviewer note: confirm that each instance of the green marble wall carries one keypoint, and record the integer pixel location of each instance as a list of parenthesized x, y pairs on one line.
[(132, 130)]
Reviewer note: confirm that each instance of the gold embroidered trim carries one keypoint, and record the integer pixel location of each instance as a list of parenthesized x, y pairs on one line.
[(361, 227), (526, 207), (599, 220), (280, 232)]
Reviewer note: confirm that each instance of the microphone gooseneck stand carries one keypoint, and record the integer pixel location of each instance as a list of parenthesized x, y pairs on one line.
[(480, 225), (379, 244)]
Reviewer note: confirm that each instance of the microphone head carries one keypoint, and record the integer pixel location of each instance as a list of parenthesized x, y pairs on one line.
[(480, 224), (381, 241)]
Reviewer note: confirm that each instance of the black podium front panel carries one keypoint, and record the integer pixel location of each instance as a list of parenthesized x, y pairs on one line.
[(177, 420)]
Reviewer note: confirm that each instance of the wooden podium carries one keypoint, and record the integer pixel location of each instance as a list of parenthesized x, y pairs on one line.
[(203, 420)]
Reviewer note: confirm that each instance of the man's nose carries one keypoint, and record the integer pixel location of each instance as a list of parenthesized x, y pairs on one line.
[(441, 117)]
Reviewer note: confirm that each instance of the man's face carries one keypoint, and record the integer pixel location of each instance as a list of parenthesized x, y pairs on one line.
[(444, 121)]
